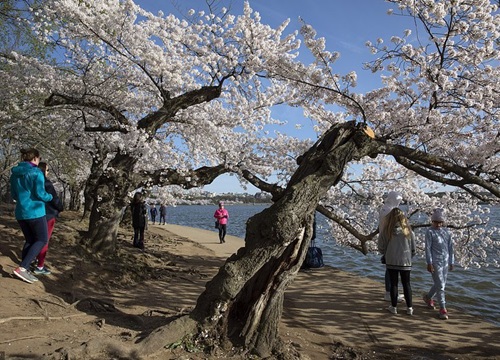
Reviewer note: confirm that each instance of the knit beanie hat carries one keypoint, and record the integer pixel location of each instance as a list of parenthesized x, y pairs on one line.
[(438, 215)]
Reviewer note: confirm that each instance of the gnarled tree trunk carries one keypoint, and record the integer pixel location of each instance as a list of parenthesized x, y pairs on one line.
[(110, 199), (243, 302)]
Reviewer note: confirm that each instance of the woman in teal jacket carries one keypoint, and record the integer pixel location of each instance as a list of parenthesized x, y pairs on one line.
[(27, 185)]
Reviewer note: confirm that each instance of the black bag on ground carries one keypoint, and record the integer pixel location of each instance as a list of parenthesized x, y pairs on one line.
[(314, 258)]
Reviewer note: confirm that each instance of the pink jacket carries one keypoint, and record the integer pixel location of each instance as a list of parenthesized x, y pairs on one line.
[(222, 215)]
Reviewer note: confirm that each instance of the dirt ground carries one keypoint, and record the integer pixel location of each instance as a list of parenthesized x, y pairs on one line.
[(88, 304)]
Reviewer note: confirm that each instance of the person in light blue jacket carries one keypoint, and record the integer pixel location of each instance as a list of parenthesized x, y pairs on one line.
[(440, 258), (27, 184)]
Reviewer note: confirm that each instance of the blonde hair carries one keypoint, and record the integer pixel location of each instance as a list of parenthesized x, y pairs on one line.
[(395, 217)]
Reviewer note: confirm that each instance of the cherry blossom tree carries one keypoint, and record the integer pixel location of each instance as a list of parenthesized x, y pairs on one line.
[(156, 90), (160, 96)]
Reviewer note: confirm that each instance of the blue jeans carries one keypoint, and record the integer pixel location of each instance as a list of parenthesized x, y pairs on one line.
[(36, 236), (222, 232), (439, 276)]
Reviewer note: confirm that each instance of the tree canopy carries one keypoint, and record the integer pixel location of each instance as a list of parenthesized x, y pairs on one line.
[(180, 93)]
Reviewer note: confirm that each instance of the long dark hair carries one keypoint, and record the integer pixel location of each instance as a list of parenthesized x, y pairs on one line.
[(137, 198), (43, 166)]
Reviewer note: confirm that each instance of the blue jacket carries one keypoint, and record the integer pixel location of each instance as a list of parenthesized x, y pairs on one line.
[(27, 186)]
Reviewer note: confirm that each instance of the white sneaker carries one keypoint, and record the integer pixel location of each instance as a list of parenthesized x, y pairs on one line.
[(392, 309), (409, 311), (401, 298)]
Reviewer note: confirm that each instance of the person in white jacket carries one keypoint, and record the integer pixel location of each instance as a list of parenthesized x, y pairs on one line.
[(392, 201)]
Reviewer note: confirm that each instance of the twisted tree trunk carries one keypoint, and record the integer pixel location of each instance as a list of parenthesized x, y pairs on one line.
[(243, 303), (109, 200)]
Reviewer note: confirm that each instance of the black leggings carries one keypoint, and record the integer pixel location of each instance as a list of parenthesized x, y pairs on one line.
[(405, 280)]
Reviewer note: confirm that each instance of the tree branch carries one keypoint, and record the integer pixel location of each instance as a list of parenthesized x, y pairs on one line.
[(422, 162), (59, 99), (191, 179), (154, 121)]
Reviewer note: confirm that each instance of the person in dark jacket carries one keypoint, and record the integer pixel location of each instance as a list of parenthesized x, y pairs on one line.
[(153, 213), (52, 210), (163, 214), (139, 219), (27, 185)]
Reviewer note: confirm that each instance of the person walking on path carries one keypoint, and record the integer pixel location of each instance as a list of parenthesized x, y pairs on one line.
[(153, 212), (440, 258), (221, 216), (163, 214), (52, 210), (392, 201), (397, 242), (139, 219), (27, 185)]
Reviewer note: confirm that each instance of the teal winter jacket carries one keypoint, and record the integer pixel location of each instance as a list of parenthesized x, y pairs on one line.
[(27, 186)]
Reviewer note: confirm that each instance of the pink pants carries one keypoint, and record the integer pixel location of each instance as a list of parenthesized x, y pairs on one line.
[(43, 253)]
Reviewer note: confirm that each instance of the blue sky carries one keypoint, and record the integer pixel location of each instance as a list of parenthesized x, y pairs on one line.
[(346, 25)]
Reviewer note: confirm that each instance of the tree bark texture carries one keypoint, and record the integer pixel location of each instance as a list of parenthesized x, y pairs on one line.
[(110, 195)]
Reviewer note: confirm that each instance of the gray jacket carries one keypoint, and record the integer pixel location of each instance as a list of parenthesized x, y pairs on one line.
[(398, 250)]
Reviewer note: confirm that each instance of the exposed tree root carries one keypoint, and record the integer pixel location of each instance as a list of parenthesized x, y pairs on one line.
[(39, 317)]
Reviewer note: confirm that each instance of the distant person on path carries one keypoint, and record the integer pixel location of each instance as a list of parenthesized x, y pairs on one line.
[(221, 216), (153, 212), (27, 185), (163, 214), (440, 258), (139, 219), (52, 210), (397, 242), (392, 201)]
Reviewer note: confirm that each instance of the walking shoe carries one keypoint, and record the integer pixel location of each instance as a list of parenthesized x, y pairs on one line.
[(443, 314), (24, 275), (42, 271), (430, 303), (409, 311), (392, 309)]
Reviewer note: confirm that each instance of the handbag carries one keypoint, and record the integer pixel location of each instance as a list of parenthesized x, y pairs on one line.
[(314, 257), (216, 224)]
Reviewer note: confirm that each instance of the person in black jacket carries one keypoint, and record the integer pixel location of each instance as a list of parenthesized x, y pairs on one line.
[(163, 214), (153, 213), (139, 219), (52, 210)]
